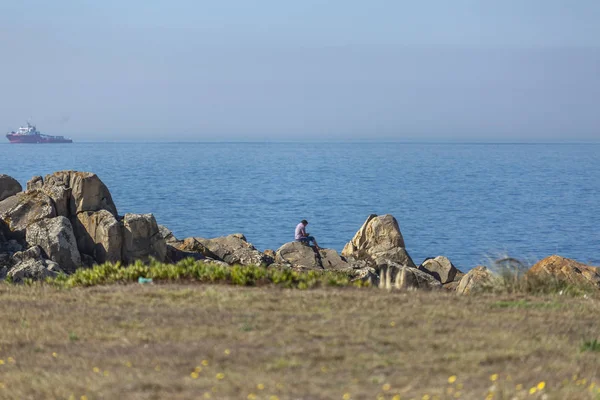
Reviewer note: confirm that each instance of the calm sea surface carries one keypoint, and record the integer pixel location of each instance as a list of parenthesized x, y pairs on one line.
[(465, 201)]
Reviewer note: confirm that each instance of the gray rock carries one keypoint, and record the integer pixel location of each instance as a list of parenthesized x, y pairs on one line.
[(8, 187), (30, 264), (55, 236), (25, 208), (330, 259), (167, 234), (479, 278), (234, 249), (395, 276), (86, 192), (142, 239), (379, 241), (298, 254), (440, 268), (35, 183), (100, 235)]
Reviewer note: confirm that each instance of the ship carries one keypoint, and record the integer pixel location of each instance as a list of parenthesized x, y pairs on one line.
[(30, 134)]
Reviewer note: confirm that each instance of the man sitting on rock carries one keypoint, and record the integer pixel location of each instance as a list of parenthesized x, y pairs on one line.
[(302, 236)]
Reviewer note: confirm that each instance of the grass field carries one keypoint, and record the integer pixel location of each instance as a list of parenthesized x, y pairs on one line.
[(174, 341)]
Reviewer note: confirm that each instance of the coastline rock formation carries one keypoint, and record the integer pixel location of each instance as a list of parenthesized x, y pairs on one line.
[(55, 237), (302, 256), (8, 186), (142, 239), (476, 279), (442, 269), (394, 276), (566, 270), (379, 241)]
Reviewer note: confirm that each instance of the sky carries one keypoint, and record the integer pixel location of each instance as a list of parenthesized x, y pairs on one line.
[(187, 70)]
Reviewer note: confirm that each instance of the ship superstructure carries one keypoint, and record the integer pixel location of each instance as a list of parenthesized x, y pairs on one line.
[(30, 134)]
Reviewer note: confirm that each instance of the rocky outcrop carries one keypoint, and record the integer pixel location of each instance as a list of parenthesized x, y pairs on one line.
[(303, 256), (479, 278), (234, 249), (55, 237), (30, 264), (395, 276), (194, 245), (565, 270), (35, 183), (142, 239), (84, 190), (8, 187), (100, 235), (25, 208), (379, 241), (298, 254), (440, 268)]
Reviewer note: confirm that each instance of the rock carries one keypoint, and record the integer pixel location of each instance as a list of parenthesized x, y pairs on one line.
[(8, 187), (194, 245), (61, 197), (479, 278), (395, 276), (234, 249), (174, 255), (366, 274), (330, 259), (167, 235), (298, 254), (440, 268), (55, 236), (100, 235), (86, 191), (379, 241), (37, 182), (25, 208), (566, 270), (142, 239), (30, 264)]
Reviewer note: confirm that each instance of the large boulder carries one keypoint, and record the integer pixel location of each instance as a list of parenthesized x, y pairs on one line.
[(85, 191), (25, 208), (302, 256), (234, 249), (193, 245), (440, 268), (37, 182), (100, 235), (379, 241), (565, 270), (298, 254), (55, 236), (396, 276), (479, 278), (142, 239), (8, 186), (30, 264)]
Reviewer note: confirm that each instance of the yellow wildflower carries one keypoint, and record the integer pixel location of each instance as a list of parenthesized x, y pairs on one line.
[(194, 375), (227, 352), (541, 385), (260, 386), (128, 364), (251, 396), (1, 362), (273, 397), (11, 360), (452, 379), (494, 377), (54, 355), (425, 397), (532, 390), (2, 385), (519, 387), (392, 323), (396, 397), (84, 397), (346, 396), (105, 373), (96, 370), (205, 362), (207, 395), (386, 387), (220, 376)]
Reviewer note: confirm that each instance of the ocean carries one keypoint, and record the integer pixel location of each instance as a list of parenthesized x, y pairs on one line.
[(469, 202)]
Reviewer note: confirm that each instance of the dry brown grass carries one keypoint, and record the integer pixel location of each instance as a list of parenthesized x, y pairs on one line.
[(144, 342)]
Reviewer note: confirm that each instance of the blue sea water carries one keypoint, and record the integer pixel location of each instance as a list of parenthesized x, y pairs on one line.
[(468, 202)]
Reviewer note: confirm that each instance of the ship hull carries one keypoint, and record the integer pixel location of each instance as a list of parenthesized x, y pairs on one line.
[(33, 139)]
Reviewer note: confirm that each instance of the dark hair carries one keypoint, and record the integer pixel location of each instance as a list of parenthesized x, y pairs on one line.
[(304, 221)]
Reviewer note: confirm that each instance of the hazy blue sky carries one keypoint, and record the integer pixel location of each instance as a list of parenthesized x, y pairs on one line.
[(225, 69)]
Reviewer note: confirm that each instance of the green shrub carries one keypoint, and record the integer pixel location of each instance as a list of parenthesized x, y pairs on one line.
[(198, 271)]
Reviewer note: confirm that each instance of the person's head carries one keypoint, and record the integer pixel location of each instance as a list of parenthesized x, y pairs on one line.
[(304, 222)]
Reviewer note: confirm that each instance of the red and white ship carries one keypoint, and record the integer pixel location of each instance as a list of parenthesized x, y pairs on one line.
[(29, 134)]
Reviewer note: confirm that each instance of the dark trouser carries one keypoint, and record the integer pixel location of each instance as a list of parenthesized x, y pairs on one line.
[(307, 240)]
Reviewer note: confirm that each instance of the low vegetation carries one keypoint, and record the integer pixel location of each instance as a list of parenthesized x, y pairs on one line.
[(198, 271)]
